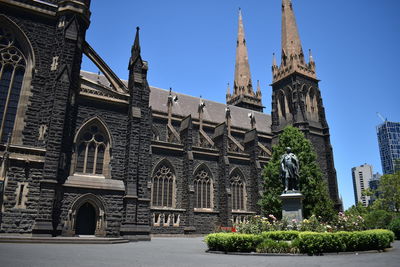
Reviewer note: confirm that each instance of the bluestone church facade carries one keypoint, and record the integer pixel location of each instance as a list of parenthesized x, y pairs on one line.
[(83, 153)]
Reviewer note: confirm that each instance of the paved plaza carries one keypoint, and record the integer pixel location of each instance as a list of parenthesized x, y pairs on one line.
[(172, 252)]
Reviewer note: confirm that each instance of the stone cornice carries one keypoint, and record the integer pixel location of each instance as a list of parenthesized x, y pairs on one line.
[(36, 6)]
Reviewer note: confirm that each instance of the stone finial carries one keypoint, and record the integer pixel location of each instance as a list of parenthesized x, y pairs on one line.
[(201, 105), (311, 62), (135, 51), (252, 119), (258, 93), (228, 93)]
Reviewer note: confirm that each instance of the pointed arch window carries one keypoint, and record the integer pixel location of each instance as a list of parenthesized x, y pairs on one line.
[(163, 186), (203, 189), (12, 71), (92, 155), (282, 105), (238, 191), (312, 104)]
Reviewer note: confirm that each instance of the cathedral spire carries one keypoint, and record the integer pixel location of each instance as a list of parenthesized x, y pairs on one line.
[(243, 94), (292, 58), (291, 44), (242, 83)]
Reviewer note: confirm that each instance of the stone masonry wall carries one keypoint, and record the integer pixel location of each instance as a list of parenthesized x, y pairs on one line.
[(20, 219)]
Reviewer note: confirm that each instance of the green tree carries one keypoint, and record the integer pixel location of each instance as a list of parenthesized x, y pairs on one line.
[(389, 193), (357, 210), (316, 198)]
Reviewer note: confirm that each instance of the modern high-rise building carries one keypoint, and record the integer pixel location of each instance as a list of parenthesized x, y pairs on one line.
[(361, 177), (389, 146)]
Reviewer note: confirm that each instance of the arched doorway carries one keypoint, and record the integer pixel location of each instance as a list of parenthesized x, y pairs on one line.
[(86, 216), (86, 220)]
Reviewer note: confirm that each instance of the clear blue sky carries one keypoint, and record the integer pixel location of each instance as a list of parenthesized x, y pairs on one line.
[(190, 46)]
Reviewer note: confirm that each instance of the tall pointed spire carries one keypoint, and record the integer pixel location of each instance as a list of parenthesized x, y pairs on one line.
[(291, 44), (243, 94), (242, 83), (292, 59)]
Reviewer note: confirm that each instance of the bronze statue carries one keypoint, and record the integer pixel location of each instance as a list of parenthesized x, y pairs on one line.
[(290, 171)]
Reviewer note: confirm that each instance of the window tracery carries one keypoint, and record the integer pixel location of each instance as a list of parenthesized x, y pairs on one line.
[(12, 71), (91, 150), (203, 190), (238, 190), (163, 186)]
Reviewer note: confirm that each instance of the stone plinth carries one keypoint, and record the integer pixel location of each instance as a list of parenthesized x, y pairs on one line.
[(292, 206)]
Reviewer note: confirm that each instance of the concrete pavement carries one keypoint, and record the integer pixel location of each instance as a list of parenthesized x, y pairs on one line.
[(172, 252)]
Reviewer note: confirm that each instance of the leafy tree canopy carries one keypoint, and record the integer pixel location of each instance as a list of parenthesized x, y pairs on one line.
[(389, 193), (316, 198)]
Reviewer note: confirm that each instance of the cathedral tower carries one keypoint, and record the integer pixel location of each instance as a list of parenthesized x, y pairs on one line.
[(296, 98), (243, 93)]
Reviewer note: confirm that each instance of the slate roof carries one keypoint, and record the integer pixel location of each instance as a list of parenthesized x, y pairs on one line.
[(213, 111)]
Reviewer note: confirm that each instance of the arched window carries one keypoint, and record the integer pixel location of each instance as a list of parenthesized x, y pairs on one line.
[(92, 155), (203, 189), (12, 71), (163, 186), (312, 104), (238, 191), (281, 104)]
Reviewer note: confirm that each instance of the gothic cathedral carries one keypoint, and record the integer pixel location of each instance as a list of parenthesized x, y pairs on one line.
[(91, 154)]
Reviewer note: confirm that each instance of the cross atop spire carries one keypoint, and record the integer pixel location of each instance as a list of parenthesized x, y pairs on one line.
[(292, 59), (243, 94)]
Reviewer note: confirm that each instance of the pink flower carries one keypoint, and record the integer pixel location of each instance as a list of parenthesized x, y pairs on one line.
[(272, 217)]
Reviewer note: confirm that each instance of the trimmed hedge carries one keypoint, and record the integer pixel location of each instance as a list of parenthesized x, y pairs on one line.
[(280, 235), (274, 246), (318, 243), (232, 242), (304, 242)]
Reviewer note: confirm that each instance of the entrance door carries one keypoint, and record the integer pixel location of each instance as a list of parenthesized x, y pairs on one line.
[(86, 220)]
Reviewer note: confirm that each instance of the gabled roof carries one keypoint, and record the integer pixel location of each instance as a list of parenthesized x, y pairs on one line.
[(214, 112)]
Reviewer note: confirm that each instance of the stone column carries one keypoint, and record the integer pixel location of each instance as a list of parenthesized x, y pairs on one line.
[(225, 206), (186, 135)]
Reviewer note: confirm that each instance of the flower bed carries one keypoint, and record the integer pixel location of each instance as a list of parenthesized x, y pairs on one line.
[(311, 243)]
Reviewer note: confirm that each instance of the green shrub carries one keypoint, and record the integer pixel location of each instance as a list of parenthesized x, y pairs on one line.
[(280, 235), (395, 227), (318, 243), (378, 219), (274, 246), (231, 242), (304, 242)]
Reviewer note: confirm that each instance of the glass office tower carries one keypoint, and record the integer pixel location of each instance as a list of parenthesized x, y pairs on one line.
[(389, 146)]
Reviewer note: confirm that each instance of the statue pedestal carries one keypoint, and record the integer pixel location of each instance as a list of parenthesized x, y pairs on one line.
[(292, 206)]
